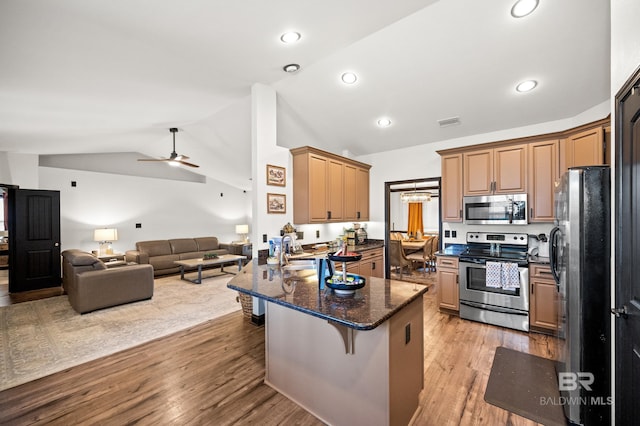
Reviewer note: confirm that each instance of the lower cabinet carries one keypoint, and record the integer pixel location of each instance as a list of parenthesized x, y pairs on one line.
[(543, 300), (448, 283), (371, 264)]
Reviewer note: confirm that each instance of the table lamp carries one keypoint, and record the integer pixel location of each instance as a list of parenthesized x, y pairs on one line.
[(105, 236), (243, 230)]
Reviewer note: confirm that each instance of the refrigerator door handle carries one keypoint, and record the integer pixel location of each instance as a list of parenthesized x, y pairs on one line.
[(553, 254)]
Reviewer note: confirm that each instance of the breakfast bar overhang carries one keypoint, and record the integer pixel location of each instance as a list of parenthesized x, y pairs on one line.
[(354, 359)]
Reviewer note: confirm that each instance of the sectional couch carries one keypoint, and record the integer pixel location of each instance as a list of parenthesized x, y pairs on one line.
[(90, 285), (161, 254)]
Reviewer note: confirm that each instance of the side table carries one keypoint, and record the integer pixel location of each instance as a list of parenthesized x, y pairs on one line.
[(240, 249)]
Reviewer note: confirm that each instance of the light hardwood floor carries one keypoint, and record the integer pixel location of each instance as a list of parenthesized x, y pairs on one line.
[(213, 374)]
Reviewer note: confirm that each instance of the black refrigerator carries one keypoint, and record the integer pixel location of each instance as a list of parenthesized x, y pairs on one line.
[(580, 251)]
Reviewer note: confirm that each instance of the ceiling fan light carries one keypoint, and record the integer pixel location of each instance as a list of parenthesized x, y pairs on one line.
[(174, 163)]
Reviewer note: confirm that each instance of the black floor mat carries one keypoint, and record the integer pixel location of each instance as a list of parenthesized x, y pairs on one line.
[(525, 385)]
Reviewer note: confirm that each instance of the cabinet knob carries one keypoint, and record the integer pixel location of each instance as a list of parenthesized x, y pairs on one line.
[(328, 214)]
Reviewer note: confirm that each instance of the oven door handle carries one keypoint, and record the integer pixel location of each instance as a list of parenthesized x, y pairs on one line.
[(493, 308)]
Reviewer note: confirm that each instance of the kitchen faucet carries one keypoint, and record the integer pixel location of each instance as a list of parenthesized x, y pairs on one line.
[(284, 256)]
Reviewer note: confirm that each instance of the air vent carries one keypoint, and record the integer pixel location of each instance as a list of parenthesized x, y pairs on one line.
[(446, 122)]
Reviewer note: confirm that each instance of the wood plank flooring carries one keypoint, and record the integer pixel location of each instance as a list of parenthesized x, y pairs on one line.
[(213, 374)]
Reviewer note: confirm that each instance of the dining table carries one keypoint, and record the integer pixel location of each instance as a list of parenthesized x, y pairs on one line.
[(412, 246)]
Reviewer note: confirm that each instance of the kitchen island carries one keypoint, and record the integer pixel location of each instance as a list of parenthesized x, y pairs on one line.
[(355, 359)]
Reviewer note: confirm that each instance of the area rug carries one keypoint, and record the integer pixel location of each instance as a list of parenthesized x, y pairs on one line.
[(45, 336), (525, 385)]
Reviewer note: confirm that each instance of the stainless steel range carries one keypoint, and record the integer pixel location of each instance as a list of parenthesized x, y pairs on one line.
[(494, 279)]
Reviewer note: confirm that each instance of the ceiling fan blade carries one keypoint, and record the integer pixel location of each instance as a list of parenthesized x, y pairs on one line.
[(188, 164), (153, 159)]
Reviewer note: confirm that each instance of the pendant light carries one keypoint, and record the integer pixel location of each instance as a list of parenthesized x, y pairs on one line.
[(415, 196)]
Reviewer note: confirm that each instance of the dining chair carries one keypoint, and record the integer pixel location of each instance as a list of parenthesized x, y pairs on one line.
[(434, 250), (397, 257), (423, 256)]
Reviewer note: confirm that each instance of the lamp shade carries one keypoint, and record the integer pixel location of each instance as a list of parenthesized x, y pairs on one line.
[(105, 234), (242, 229)]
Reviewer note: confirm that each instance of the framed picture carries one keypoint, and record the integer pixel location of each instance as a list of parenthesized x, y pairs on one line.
[(276, 176), (276, 203)]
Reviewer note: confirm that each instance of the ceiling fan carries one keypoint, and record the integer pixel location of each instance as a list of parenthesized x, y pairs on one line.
[(174, 159)]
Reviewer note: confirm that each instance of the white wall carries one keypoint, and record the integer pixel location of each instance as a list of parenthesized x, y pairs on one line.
[(165, 208), (19, 169)]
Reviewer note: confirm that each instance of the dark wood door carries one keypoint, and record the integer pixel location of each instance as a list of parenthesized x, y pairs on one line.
[(34, 239), (627, 323)]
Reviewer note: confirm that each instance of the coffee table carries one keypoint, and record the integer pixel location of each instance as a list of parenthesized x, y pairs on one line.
[(199, 263)]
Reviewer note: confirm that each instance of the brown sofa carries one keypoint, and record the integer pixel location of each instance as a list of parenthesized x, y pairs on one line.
[(161, 254), (90, 285)]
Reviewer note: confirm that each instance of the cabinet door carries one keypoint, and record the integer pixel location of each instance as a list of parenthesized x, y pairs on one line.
[(586, 148), (510, 169), (362, 194), (478, 172), (448, 291), (371, 265), (543, 311), (335, 190), (452, 188), (350, 192), (543, 175), (318, 187)]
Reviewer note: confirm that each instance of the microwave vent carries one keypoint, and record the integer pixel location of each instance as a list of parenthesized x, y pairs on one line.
[(446, 122)]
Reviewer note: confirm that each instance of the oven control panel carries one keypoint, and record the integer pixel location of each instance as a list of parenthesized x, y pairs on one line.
[(503, 238)]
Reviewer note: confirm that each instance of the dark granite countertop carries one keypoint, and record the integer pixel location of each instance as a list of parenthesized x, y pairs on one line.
[(369, 307), (452, 250)]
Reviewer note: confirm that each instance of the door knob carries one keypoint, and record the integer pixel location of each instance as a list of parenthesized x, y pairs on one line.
[(620, 312)]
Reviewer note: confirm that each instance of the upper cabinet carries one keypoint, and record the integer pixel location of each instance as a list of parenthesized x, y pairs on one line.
[(501, 170), (584, 148), (543, 174), (531, 165), (328, 188), (451, 184)]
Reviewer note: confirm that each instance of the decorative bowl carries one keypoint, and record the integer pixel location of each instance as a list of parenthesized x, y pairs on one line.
[(353, 283)]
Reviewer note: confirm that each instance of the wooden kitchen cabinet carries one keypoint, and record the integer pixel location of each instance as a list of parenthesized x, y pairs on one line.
[(370, 265), (543, 176), (451, 187), (543, 310), (448, 283), (500, 170), (584, 148), (328, 188)]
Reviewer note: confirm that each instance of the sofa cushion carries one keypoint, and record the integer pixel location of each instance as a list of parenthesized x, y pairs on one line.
[(191, 255), (183, 245), (164, 262), (154, 248), (207, 243), (81, 258)]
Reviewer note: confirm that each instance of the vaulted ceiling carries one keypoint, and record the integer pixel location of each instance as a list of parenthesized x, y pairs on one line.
[(96, 76)]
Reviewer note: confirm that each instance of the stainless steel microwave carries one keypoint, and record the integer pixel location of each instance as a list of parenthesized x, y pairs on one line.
[(508, 209)]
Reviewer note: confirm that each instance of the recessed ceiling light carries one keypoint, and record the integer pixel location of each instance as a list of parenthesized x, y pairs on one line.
[(384, 122), (526, 86), (291, 68), (523, 7), (290, 37), (349, 78)]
